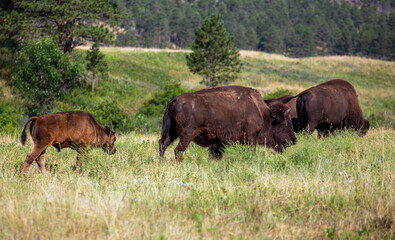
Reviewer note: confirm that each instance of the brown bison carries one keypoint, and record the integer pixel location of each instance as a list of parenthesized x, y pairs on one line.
[(329, 106), (214, 117), (75, 129), (292, 106)]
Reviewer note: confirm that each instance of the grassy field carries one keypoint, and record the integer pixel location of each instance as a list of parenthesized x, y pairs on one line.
[(339, 187), (334, 188)]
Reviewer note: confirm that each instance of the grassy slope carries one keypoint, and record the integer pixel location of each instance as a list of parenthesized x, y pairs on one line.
[(338, 187), (374, 80)]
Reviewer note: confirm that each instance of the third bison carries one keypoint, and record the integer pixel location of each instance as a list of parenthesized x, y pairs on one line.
[(328, 106)]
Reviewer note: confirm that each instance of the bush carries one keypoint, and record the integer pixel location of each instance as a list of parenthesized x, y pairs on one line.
[(278, 93), (44, 74), (157, 105), (149, 117), (10, 116), (108, 113)]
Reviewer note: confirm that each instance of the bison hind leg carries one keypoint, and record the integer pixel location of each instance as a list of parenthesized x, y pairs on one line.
[(166, 140), (186, 137), (164, 143)]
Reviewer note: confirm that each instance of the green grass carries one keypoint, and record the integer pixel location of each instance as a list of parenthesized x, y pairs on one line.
[(339, 187)]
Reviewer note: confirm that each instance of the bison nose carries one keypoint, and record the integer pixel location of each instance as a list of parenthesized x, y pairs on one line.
[(114, 151)]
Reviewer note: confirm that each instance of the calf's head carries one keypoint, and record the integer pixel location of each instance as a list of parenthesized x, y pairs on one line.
[(278, 132), (109, 141)]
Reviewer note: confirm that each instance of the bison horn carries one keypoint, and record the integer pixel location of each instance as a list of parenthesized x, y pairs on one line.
[(286, 113)]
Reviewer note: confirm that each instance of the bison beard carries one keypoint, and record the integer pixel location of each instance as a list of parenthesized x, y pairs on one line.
[(75, 129), (215, 117)]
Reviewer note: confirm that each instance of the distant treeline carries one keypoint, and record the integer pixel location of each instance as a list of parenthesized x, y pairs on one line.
[(296, 28)]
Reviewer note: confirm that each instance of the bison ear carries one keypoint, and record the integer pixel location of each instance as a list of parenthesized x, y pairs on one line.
[(107, 130), (287, 99)]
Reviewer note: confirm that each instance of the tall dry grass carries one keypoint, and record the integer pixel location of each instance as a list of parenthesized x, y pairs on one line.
[(339, 187)]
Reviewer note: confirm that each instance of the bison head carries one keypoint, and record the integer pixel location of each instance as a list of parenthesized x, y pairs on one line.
[(278, 132), (109, 146)]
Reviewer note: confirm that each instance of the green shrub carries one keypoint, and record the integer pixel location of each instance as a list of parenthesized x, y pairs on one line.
[(157, 104), (10, 116), (278, 93), (44, 74), (149, 117), (109, 113)]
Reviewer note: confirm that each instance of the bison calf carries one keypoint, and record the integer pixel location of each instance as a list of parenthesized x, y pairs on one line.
[(214, 117), (74, 129)]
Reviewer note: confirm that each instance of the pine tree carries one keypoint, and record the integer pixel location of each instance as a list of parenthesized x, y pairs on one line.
[(214, 55), (96, 63)]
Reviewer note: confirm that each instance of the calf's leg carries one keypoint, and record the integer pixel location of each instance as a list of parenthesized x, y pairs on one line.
[(33, 155), (79, 164), (41, 162)]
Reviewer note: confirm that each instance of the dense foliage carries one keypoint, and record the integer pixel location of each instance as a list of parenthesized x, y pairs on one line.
[(150, 114), (214, 55), (69, 21), (292, 27), (44, 74)]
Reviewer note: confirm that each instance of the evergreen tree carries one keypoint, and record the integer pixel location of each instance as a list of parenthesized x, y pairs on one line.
[(96, 63), (214, 55)]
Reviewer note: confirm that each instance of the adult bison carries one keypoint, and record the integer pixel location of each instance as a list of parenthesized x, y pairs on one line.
[(292, 106), (74, 129), (329, 106), (214, 117)]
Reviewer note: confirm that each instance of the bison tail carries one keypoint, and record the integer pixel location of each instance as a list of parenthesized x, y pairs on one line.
[(168, 133), (23, 135), (301, 112)]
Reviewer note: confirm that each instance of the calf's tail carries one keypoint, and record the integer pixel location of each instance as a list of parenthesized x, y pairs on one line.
[(23, 135)]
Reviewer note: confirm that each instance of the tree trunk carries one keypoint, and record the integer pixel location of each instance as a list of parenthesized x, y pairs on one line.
[(93, 82)]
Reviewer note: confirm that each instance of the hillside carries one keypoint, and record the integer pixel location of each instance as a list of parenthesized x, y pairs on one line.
[(374, 80), (137, 74)]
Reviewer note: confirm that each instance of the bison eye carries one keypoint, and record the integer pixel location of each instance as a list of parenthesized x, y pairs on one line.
[(275, 122)]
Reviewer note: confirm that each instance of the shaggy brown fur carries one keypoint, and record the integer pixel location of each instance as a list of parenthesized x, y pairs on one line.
[(291, 104), (214, 117), (75, 129)]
